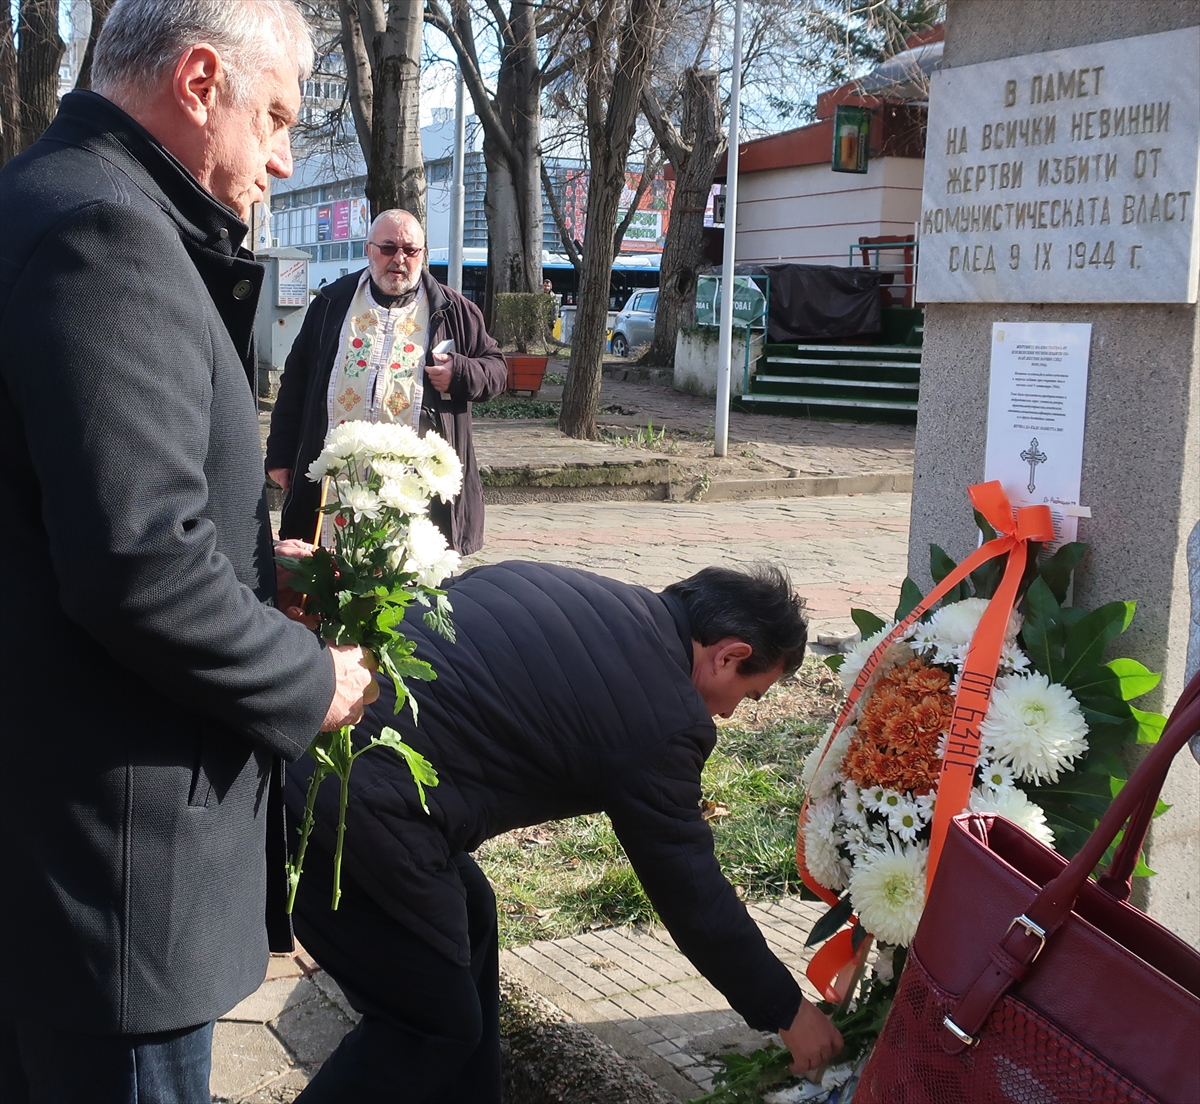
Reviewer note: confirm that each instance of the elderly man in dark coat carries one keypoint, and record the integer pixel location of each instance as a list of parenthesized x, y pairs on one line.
[(150, 688), (369, 349), (563, 693)]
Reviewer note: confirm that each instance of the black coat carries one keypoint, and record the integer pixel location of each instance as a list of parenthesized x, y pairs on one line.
[(147, 687), (300, 421), (565, 693)]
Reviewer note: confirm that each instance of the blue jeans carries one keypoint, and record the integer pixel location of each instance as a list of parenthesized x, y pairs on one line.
[(44, 1065)]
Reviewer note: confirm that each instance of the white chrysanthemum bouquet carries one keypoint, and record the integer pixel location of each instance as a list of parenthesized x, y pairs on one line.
[(385, 554), (1049, 755)]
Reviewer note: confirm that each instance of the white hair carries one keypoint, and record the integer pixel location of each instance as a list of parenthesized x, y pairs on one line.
[(142, 40)]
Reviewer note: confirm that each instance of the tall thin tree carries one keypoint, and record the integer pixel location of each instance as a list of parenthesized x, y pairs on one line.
[(620, 46)]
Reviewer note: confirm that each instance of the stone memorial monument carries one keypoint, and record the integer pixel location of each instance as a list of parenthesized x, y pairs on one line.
[(1060, 186)]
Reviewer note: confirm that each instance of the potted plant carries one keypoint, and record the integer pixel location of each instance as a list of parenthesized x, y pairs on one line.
[(524, 320)]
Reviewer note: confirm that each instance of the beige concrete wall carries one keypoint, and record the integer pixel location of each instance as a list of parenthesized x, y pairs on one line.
[(811, 214), (1141, 464)]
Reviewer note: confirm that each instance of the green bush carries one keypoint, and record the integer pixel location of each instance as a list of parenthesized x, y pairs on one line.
[(524, 319)]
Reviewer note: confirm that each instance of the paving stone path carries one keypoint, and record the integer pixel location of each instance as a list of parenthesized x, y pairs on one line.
[(841, 551)]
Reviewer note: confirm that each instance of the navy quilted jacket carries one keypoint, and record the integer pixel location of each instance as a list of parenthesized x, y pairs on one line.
[(565, 693)]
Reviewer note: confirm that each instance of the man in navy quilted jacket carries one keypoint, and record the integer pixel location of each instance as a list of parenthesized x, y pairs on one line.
[(564, 693)]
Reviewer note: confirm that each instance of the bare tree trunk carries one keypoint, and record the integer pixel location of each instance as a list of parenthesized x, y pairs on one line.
[(10, 95), (100, 10), (37, 66), (358, 70), (610, 134), (693, 151), (396, 167), (511, 122)]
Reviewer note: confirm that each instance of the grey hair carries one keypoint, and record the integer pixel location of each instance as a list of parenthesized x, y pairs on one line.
[(396, 214), (142, 40)]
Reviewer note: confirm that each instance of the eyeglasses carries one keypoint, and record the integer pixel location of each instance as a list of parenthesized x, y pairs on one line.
[(392, 250)]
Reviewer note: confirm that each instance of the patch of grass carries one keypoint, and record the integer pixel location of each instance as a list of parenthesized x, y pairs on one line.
[(505, 407), (562, 878), (554, 379)]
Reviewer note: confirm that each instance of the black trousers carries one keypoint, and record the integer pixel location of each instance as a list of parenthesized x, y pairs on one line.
[(430, 1029)]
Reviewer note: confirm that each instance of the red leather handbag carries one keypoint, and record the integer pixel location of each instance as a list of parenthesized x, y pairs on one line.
[(1026, 982)]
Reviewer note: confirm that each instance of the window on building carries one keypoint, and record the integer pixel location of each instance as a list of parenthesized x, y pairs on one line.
[(437, 171)]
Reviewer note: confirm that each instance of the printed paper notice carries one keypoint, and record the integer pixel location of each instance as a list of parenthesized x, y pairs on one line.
[(1037, 399)]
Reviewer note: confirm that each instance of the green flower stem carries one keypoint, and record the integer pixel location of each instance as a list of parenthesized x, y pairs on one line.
[(347, 759), (296, 868)]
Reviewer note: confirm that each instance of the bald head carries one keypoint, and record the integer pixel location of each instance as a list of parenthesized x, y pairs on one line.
[(396, 232)]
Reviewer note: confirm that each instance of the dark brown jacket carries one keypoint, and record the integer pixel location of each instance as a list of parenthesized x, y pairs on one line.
[(301, 421)]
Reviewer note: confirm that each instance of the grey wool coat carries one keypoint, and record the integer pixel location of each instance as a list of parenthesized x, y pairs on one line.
[(149, 690)]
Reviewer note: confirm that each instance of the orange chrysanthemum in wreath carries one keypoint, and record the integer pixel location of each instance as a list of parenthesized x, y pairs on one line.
[(896, 743)]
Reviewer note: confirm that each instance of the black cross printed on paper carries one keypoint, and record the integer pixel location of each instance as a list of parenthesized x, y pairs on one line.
[(1033, 457)]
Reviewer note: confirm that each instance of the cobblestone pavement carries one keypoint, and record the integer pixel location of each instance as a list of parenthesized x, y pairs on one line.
[(633, 988), (841, 551)]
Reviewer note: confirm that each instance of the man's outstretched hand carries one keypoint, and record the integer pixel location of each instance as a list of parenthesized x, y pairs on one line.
[(812, 1038)]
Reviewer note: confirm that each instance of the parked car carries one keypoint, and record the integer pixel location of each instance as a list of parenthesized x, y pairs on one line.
[(635, 323)]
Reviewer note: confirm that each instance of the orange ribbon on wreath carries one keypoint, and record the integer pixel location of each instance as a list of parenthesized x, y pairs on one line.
[(1015, 530)]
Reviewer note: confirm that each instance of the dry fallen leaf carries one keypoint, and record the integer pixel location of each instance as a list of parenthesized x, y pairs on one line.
[(710, 810)]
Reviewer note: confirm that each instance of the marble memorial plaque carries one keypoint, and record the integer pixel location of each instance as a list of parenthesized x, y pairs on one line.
[(1065, 177)]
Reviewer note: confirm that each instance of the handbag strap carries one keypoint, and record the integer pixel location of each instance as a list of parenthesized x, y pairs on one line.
[(1011, 958)]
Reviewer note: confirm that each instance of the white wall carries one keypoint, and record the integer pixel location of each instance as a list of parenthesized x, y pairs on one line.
[(812, 215)]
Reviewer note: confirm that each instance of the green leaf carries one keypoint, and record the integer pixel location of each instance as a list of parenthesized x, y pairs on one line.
[(829, 924), (940, 565), (1044, 633), (1056, 571), (834, 662), (868, 624), (857, 936), (910, 598), (986, 577), (1134, 678), (985, 526), (422, 770), (438, 618), (1090, 635), (1150, 725), (1077, 782)]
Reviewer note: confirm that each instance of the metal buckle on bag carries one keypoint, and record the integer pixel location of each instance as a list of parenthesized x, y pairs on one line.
[(1030, 929), (958, 1032)]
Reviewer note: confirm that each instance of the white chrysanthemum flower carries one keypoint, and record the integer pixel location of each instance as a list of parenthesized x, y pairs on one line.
[(879, 834), (819, 780), (388, 468), (885, 965), (362, 502), (854, 811), (406, 494), (1034, 725), (998, 776), (948, 633), (325, 464), (441, 468), (1014, 805), (399, 442), (348, 439), (427, 553), (821, 854), (855, 841), (904, 820), (856, 657), (887, 887), (1013, 659)]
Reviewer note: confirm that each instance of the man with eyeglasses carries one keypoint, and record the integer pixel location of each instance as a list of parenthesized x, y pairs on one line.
[(368, 350)]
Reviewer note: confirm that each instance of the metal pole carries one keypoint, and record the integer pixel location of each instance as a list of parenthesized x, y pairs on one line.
[(458, 190), (725, 347)]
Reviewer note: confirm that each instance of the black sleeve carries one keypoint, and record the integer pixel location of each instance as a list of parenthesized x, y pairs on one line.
[(479, 369), (117, 417), (288, 416), (657, 818)]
